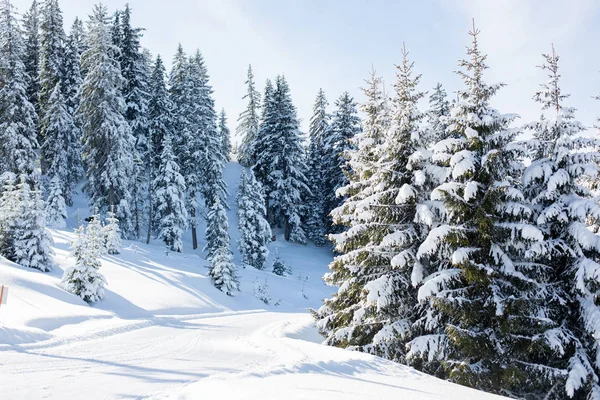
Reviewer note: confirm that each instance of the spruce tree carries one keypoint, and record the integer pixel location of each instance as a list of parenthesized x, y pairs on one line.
[(286, 180), (374, 308), (567, 261), (263, 144), (160, 124), (135, 70), (31, 240), (56, 207), (52, 40), (112, 234), (169, 194), (207, 144), (248, 123), (9, 212), (439, 110), (18, 142), (279, 266), (345, 124), (225, 135), (316, 224), (483, 318), (218, 248), (31, 27), (108, 145), (255, 232), (70, 84), (84, 278), (61, 134)]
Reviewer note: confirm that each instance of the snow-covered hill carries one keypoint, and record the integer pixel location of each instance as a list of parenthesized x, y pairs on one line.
[(163, 331)]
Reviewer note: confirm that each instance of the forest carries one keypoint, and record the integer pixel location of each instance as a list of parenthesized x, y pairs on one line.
[(466, 243)]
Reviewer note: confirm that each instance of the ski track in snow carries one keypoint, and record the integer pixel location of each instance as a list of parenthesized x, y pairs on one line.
[(163, 331)]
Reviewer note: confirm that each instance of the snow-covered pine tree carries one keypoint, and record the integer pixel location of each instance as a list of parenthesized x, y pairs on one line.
[(286, 178), (225, 136), (70, 84), (484, 306), (218, 248), (439, 110), (9, 211), (143, 159), (31, 28), (262, 144), (112, 234), (168, 190), (374, 308), (207, 140), (279, 266), (569, 256), (31, 240), (345, 124), (84, 278), (52, 40), (254, 229), (160, 123), (60, 135), (108, 145), (180, 96), (248, 122), (95, 235), (135, 70), (56, 208), (316, 225), (18, 142)]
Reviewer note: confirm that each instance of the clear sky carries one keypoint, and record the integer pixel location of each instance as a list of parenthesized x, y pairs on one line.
[(333, 44)]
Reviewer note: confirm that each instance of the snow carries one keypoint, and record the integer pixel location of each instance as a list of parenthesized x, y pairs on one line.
[(163, 331)]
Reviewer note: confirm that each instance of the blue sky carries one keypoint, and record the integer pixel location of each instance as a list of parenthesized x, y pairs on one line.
[(334, 43)]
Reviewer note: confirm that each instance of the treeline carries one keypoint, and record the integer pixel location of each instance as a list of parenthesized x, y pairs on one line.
[(468, 252), (93, 106)]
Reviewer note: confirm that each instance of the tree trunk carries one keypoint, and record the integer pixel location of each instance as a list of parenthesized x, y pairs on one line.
[(288, 230), (194, 235)]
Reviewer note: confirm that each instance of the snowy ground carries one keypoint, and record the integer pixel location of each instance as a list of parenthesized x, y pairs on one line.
[(163, 331)]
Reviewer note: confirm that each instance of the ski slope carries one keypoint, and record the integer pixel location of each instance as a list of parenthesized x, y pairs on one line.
[(164, 332)]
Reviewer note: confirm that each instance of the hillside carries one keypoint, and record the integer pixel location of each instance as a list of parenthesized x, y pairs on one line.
[(164, 331)]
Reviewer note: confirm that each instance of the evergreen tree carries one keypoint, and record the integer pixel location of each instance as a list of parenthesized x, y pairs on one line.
[(345, 124), (169, 193), (248, 122), (135, 70), (285, 163), (568, 259), (17, 115), (225, 136), (483, 312), (112, 234), (108, 145), (279, 266), (9, 212), (61, 133), (52, 40), (31, 25), (31, 240), (374, 308), (316, 224), (254, 229), (159, 126), (84, 279), (70, 84), (56, 208), (439, 110), (218, 248), (262, 144), (207, 144)]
